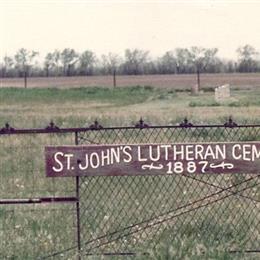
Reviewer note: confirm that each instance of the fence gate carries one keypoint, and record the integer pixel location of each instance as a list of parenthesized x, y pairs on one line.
[(119, 216), (128, 215)]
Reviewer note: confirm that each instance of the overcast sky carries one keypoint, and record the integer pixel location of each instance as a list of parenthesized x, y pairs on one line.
[(104, 26)]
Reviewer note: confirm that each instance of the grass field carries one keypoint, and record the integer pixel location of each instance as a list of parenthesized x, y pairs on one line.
[(25, 108), (30, 231)]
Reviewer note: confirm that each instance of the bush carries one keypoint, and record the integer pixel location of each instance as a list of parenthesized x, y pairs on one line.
[(201, 104)]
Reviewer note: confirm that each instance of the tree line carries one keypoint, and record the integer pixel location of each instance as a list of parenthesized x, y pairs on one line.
[(68, 62)]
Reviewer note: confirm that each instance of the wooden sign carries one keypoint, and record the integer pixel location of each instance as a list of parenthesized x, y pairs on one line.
[(152, 159)]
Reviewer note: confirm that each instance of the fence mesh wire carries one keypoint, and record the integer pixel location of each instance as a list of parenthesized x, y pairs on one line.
[(132, 214), (128, 214)]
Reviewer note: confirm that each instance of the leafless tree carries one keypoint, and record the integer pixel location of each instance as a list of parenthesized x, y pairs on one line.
[(112, 61), (24, 59), (200, 58)]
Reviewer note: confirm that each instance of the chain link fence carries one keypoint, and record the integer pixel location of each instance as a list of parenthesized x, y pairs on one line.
[(132, 214), (73, 218)]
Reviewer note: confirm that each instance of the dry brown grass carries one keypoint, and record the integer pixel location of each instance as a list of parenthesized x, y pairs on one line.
[(240, 80)]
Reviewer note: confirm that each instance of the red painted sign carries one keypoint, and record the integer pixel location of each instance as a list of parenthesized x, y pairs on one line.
[(152, 159)]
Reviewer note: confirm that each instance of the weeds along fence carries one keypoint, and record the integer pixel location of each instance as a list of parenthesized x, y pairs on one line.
[(72, 218)]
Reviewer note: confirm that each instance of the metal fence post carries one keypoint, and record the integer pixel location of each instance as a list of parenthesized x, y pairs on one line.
[(78, 207)]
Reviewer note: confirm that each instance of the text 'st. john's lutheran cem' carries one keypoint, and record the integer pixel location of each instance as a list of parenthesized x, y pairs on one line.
[(153, 159)]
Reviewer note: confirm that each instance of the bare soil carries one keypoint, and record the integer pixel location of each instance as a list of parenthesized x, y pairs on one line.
[(239, 80)]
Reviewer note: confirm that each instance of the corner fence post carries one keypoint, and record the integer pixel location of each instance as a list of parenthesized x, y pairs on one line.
[(78, 208)]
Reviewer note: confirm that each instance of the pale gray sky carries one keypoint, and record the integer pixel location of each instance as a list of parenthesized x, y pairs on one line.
[(104, 26)]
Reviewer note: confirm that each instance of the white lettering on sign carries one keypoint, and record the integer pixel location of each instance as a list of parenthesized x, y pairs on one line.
[(167, 158), (58, 162), (255, 153), (245, 152)]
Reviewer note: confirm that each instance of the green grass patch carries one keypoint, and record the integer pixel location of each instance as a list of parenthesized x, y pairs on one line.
[(238, 104), (204, 104), (118, 96), (194, 245)]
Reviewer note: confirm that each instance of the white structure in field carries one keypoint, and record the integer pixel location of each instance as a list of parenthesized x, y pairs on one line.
[(222, 93)]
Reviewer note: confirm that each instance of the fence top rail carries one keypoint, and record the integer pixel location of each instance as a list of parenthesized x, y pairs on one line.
[(52, 128)]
